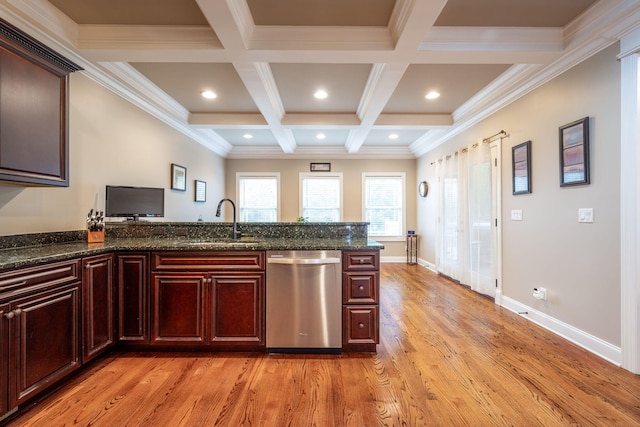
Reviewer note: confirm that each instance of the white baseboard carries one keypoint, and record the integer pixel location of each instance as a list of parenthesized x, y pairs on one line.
[(427, 265), (585, 340), (403, 260), (394, 259)]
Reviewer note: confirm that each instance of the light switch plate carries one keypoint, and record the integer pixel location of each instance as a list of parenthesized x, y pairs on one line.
[(516, 215), (585, 215)]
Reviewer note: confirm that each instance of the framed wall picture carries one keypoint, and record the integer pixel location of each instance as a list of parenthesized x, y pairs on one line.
[(521, 158), (574, 153), (201, 191), (178, 177)]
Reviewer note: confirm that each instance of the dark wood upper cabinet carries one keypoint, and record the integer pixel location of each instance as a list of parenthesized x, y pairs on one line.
[(34, 92)]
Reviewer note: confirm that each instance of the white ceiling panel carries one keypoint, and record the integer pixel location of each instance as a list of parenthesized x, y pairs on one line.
[(376, 59)]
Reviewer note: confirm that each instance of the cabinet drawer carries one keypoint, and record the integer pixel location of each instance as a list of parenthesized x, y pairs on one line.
[(39, 277), (360, 325), (360, 287), (355, 261), (209, 261)]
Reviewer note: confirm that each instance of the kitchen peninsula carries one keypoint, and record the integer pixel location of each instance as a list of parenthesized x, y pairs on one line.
[(158, 286)]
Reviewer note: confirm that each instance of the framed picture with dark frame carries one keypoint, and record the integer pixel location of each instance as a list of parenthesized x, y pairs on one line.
[(200, 191), (521, 157), (178, 177), (320, 167), (574, 153)]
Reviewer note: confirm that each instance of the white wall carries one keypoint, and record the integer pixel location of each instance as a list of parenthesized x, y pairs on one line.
[(579, 264), (113, 142)]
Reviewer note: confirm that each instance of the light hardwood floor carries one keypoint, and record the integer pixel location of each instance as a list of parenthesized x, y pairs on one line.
[(447, 357)]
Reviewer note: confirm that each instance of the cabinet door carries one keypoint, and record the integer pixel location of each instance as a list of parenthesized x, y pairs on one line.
[(34, 104), (97, 306), (133, 294), (44, 343), (178, 308), (237, 310)]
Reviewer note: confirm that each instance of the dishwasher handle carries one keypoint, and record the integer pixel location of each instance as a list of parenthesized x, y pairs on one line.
[(306, 261)]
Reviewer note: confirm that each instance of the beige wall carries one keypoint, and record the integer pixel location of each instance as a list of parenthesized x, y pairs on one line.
[(579, 264), (112, 142), (351, 170)]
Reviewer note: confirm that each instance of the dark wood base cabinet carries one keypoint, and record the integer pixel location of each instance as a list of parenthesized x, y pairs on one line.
[(55, 317), (39, 330), (360, 299), (210, 300)]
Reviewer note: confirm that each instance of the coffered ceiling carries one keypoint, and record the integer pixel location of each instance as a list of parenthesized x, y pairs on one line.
[(376, 60)]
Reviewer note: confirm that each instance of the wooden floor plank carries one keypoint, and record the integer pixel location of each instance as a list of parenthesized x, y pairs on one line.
[(447, 357)]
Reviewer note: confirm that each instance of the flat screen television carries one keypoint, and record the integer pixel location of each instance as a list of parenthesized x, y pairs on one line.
[(134, 202)]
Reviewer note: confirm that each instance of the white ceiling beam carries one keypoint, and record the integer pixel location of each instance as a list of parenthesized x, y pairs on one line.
[(228, 120), (383, 80), (147, 37), (260, 84), (320, 38), (411, 19), (492, 39), (224, 16), (320, 119), (414, 120), (233, 24)]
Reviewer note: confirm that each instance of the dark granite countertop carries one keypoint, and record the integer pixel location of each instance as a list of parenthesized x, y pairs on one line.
[(32, 255)]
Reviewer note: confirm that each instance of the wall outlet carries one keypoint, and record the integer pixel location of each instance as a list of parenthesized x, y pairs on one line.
[(540, 293)]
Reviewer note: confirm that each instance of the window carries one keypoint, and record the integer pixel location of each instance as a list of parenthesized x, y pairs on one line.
[(321, 197), (383, 203), (258, 197)]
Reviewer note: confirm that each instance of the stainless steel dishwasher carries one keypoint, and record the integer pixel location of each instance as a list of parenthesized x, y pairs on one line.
[(304, 302)]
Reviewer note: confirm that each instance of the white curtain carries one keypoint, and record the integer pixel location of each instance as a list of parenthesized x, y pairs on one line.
[(465, 233)]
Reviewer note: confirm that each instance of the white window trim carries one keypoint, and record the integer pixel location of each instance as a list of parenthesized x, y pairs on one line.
[(276, 175), (402, 175), (304, 175)]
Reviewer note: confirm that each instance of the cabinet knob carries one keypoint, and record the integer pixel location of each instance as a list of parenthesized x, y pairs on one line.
[(361, 325), (361, 288), (12, 314), (361, 261)]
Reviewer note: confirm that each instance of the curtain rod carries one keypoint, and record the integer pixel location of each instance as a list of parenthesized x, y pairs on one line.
[(501, 134)]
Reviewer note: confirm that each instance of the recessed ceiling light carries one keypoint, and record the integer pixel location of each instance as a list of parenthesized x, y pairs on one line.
[(432, 95), (393, 136), (321, 136), (209, 94), (247, 136), (320, 94)]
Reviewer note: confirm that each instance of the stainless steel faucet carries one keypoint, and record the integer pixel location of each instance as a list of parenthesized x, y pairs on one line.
[(236, 232)]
